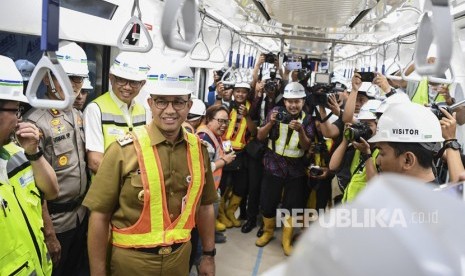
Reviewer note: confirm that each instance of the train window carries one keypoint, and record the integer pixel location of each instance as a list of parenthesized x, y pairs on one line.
[(18, 46)]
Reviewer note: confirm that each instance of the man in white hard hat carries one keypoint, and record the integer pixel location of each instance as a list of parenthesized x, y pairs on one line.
[(62, 140), (82, 97), (24, 175), (195, 116), (113, 114), (289, 131), (407, 136), (152, 188)]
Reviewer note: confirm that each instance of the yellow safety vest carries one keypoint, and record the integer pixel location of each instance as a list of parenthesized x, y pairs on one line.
[(188, 127), (154, 226), (218, 149), (358, 180), (237, 138), (114, 123), (421, 96), (22, 249), (292, 148)]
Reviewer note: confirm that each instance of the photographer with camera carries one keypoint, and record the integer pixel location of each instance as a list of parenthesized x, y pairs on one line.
[(354, 159), (217, 74), (239, 131), (289, 132), (362, 91), (224, 94)]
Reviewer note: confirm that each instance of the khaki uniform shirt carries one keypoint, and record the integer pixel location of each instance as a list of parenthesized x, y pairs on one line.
[(116, 186), (62, 140)]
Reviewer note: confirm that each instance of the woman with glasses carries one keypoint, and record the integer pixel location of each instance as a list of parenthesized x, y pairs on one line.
[(216, 123)]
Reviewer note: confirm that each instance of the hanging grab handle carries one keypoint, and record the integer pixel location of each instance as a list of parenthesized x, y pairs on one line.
[(134, 21), (443, 80), (412, 76), (199, 44), (49, 44), (437, 27), (168, 24), (217, 48)]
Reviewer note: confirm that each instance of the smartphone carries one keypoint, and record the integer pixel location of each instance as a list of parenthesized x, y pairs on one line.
[(367, 76), (294, 65)]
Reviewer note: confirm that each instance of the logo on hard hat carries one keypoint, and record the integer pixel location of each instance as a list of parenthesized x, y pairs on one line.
[(405, 131), (163, 76)]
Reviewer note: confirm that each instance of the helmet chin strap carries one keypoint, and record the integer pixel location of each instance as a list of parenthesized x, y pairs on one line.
[(52, 86)]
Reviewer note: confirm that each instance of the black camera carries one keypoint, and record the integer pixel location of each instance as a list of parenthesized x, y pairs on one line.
[(228, 86), (320, 94), (270, 58), (436, 111), (367, 76), (315, 171), (320, 147), (283, 117), (270, 86), (357, 131), (234, 105)]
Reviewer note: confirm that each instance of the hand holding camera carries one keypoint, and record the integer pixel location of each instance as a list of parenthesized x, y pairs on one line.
[(362, 146), (448, 124), (243, 110), (381, 81), (295, 125), (317, 172), (356, 81), (334, 105), (228, 158)]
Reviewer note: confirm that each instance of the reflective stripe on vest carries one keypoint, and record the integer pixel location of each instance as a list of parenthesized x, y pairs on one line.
[(113, 121), (358, 180), (21, 178), (291, 149), (154, 226), (218, 149), (188, 127), (421, 96), (237, 138)]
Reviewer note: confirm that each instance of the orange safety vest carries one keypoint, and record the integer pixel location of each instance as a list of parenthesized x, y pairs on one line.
[(237, 138), (154, 226), (218, 148)]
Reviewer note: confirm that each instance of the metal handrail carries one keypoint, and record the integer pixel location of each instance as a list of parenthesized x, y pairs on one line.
[(133, 21), (435, 27), (200, 42)]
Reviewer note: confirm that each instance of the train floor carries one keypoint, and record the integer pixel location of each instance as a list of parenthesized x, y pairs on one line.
[(239, 256)]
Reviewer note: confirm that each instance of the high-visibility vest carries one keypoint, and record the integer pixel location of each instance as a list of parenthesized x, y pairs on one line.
[(23, 247), (218, 149), (114, 123), (290, 149), (237, 138), (358, 181), (154, 226), (421, 96)]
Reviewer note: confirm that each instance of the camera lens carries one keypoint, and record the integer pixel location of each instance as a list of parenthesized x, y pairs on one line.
[(349, 134)]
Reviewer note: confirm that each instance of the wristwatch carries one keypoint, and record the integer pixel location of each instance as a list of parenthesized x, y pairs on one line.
[(453, 144), (35, 156), (218, 97), (210, 253), (392, 92)]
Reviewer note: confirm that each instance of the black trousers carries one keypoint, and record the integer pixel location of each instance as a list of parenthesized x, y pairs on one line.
[(74, 259), (236, 178), (255, 181), (292, 191)]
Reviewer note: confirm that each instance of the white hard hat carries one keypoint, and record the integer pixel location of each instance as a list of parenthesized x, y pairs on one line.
[(379, 233), (11, 81), (398, 97), (408, 123), (87, 85), (131, 66), (368, 110), (370, 89), (25, 67), (197, 108), (171, 81), (72, 58), (294, 90), (242, 85)]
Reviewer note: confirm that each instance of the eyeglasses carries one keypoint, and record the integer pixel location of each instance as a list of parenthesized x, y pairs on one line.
[(177, 104), (76, 79), (123, 82), (222, 121), (18, 111)]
